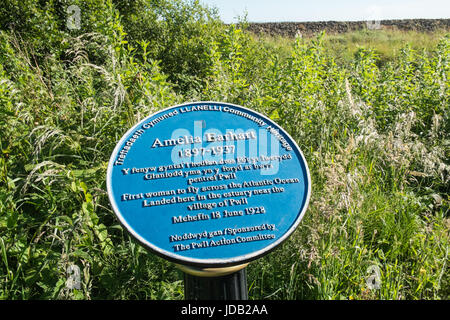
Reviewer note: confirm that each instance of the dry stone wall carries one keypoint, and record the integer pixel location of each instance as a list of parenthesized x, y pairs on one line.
[(291, 29)]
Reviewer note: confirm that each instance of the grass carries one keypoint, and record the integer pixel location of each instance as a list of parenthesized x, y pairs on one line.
[(386, 43), (370, 111)]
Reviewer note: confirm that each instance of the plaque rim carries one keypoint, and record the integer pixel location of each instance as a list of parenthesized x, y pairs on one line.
[(218, 262)]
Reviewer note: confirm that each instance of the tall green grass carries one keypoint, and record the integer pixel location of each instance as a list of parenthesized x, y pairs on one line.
[(375, 133)]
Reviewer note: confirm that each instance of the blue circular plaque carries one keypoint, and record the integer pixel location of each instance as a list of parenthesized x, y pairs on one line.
[(208, 184)]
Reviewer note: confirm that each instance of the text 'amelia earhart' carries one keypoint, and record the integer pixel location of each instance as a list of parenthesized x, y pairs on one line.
[(209, 137)]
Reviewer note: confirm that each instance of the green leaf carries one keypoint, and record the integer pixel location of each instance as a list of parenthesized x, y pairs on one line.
[(12, 219), (274, 115)]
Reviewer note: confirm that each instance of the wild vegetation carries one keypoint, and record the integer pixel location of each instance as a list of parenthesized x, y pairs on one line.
[(374, 130)]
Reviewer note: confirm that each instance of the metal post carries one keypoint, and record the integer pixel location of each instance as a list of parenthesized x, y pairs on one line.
[(215, 284), (229, 287)]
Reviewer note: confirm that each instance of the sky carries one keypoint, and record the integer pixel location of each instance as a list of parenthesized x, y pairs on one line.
[(326, 10)]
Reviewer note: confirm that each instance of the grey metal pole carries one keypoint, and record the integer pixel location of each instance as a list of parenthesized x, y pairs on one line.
[(229, 287), (220, 283)]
